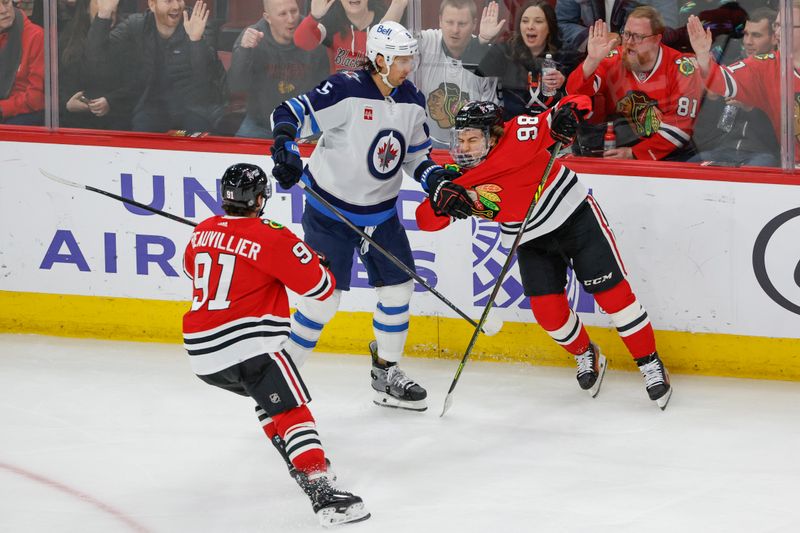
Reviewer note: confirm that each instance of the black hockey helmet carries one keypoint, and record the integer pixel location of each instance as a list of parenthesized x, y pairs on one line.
[(241, 185), (476, 115), (479, 115)]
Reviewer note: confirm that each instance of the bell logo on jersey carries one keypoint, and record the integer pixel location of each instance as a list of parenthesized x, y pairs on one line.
[(386, 153), (367, 113)]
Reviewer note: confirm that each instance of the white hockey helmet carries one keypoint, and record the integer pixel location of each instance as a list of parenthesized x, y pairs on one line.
[(390, 39)]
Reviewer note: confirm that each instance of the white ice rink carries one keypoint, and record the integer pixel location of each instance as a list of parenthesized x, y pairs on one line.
[(100, 436)]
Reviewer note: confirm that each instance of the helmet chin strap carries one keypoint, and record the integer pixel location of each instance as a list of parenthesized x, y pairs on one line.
[(384, 77)]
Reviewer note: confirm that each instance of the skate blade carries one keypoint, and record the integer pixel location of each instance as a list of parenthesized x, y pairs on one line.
[(384, 400), (331, 517), (664, 400), (594, 390)]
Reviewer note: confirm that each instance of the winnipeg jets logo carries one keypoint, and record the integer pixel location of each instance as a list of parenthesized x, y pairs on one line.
[(386, 153), (386, 156)]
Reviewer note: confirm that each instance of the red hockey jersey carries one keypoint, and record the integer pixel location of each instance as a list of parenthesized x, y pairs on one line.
[(504, 184), (241, 268), (756, 81), (660, 109)]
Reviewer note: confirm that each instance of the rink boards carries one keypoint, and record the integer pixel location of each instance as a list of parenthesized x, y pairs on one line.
[(716, 262)]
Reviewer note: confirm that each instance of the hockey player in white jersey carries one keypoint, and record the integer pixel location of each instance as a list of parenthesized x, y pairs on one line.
[(373, 125)]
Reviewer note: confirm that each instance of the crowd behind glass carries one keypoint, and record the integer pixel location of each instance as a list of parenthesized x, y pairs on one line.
[(221, 66)]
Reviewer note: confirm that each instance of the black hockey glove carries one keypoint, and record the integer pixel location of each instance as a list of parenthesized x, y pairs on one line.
[(446, 197), (564, 124), (288, 165)]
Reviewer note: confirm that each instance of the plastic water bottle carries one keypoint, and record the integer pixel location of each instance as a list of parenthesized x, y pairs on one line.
[(727, 118), (610, 138), (548, 65)]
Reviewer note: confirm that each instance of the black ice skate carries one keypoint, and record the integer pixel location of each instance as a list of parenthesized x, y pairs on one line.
[(331, 505), (393, 388), (591, 369), (656, 379)]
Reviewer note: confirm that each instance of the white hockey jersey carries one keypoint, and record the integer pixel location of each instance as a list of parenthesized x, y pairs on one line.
[(366, 140), (446, 84)]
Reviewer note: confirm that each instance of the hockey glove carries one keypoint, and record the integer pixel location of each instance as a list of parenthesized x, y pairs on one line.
[(288, 165), (564, 124), (446, 197)]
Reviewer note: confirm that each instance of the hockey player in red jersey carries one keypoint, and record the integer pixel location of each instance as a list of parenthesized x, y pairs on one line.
[(234, 333), (502, 165), (755, 80), (654, 88)]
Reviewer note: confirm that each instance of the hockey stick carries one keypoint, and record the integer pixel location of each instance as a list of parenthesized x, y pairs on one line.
[(117, 197), (391, 257), (448, 400), (399, 264)]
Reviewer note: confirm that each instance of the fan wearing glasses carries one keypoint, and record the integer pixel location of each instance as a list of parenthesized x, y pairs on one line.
[(653, 91)]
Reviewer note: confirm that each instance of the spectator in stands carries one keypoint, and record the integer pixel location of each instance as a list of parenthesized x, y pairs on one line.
[(21, 68), (341, 26), (177, 80), (728, 132), (518, 62), (575, 17), (754, 81), (448, 58), (89, 97), (654, 89), (269, 67)]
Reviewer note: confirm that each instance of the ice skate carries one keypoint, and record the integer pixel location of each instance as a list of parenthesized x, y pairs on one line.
[(393, 388), (331, 505), (656, 379), (591, 369)]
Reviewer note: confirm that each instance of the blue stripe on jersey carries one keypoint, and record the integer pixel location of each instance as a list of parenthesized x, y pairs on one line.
[(372, 219), (418, 147), (297, 109), (314, 125), (389, 329), (393, 310), (386, 205)]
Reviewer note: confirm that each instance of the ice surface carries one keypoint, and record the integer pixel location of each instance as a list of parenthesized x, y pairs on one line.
[(100, 436)]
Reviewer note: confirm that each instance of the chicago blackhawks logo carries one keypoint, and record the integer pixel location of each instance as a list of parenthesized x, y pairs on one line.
[(641, 111), (444, 102), (685, 66), (485, 200), (386, 153)]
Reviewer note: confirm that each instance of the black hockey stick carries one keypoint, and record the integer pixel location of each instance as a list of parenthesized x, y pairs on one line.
[(448, 400), (118, 197), (399, 264), (390, 256)]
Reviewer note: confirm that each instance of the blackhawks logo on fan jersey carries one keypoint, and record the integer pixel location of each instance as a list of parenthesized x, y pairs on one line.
[(641, 111), (686, 66)]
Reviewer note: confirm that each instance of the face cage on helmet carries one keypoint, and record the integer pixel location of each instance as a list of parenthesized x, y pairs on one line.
[(468, 159)]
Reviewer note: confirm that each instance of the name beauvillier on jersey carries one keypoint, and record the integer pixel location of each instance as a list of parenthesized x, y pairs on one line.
[(214, 239)]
